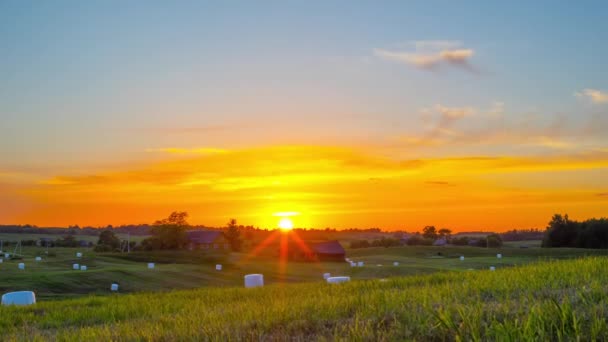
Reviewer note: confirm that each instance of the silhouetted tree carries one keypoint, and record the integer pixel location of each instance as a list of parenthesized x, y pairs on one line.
[(429, 232), (108, 239), (445, 233), (233, 235), (169, 233)]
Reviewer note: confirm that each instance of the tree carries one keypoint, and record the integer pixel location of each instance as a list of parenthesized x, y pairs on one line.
[(233, 235), (109, 239), (429, 232), (169, 233), (445, 233), (561, 232), (493, 240)]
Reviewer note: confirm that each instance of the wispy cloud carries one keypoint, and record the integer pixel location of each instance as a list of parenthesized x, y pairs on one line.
[(593, 95), (187, 151), (430, 55)]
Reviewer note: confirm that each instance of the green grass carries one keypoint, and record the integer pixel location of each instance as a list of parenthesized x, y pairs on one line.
[(14, 237), (53, 278), (547, 301)]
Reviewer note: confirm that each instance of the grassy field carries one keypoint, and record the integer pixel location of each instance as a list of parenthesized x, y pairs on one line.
[(54, 278), (14, 237), (547, 301)]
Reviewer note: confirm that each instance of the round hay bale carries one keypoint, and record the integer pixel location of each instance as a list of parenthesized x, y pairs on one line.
[(254, 280), (337, 280), (19, 298)]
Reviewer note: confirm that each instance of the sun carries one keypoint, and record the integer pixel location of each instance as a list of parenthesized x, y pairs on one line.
[(286, 224)]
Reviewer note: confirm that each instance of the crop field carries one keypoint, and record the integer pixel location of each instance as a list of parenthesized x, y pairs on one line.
[(551, 300)]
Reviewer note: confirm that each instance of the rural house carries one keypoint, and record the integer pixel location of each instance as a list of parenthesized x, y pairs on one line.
[(204, 239), (316, 251)]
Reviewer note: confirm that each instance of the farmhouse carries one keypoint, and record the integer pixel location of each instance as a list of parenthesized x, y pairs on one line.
[(316, 251), (329, 251), (203, 239)]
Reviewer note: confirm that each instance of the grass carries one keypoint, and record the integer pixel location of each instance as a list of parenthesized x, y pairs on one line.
[(53, 278), (551, 300)]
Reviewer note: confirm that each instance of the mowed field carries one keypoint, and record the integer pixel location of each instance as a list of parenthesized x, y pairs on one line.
[(545, 301), (54, 278)]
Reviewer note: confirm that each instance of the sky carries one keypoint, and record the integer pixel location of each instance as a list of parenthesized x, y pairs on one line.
[(391, 114)]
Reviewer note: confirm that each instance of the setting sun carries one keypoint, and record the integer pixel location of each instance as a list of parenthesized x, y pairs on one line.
[(286, 223)]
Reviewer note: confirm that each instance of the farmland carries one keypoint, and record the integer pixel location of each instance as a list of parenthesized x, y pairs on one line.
[(54, 278), (550, 300)]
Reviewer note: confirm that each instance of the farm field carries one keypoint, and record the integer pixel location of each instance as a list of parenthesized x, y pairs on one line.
[(551, 300), (54, 278)]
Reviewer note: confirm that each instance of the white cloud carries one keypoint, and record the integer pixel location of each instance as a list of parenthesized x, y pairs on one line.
[(431, 54), (594, 95)]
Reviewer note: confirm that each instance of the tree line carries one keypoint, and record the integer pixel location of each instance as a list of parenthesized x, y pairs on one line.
[(564, 232)]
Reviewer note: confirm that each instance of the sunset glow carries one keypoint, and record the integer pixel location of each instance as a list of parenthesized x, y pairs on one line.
[(285, 224), (384, 121)]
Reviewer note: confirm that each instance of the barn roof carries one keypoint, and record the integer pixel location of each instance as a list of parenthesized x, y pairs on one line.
[(203, 236), (328, 247)]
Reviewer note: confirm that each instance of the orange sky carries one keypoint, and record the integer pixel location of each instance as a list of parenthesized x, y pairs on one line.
[(395, 116), (327, 186)]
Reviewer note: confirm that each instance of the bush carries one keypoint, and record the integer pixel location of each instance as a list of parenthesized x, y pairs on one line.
[(460, 241), (418, 240)]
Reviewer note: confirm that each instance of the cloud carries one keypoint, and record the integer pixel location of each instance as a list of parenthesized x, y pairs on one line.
[(431, 55), (602, 194), (454, 113), (441, 183), (594, 95), (189, 151)]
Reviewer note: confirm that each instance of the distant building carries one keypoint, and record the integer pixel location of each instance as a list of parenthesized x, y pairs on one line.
[(404, 238), (205, 239), (440, 242), (315, 251)]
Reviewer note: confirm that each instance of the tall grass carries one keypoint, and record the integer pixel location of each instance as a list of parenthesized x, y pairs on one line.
[(548, 301)]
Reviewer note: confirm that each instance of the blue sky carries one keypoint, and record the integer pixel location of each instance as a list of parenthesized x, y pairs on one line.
[(95, 85)]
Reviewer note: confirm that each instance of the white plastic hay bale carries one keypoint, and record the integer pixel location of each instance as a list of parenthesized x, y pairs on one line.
[(396, 263), (218, 267), (114, 287), (337, 280), (38, 259), (19, 298), (462, 258), (83, 268), (499, 256), (7, 255), (326, 275), (75, 266), (1, 261), (151, 265), (79, 255), (254, 280), (353, 264), (492, 268), (360, 264), (21, 266)]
